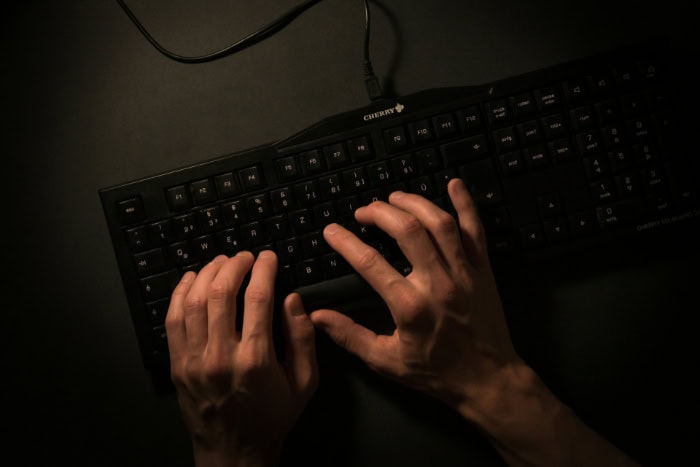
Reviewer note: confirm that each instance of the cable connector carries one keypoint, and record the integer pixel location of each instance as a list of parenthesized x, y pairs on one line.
[(374, 88)]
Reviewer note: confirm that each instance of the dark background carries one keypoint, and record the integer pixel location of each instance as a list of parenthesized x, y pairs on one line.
[(88, 103)]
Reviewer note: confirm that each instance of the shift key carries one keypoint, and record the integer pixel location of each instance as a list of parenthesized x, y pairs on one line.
[(160, 285)]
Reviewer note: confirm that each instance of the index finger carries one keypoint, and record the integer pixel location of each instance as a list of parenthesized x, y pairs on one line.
[(381, 276), (222, 299)]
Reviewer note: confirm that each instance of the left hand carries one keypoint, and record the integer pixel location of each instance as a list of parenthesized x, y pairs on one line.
[(239, 402)]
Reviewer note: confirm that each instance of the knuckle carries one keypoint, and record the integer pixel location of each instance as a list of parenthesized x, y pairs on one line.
[(410, 225), (172, 321), (257, 295), (191, 372), (376, 204), (217, 291), (444, 222), (251, 364), (193, 304), (217, 369), (412, 306), (448, 293), (368, 259), (177, 373)]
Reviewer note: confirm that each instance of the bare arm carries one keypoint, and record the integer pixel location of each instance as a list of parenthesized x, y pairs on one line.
[(238, 400), (451, 338)]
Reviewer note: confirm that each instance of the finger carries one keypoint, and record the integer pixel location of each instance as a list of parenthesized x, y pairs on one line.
[(473, 236), (223, 291), (441, 225), (257, 314), (369, 347), (175, 318), (369, 264), (406, 229), (300, 354), (196, 307)]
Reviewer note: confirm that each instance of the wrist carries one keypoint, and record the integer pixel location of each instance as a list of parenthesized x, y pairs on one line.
[(529, 425), (512, 403), (231, 457)]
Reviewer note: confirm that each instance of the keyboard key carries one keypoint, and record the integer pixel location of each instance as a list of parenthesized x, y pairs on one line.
[(470, 118), (336, 156), (620, 214), (445, 125), (178, 198), (308, 272), (138, 238), (251, 178), (498, 111), (287, 168), (159, 285), (395, 139), (311, 162), (202, 192), (149, 261), (548, 98), (360, 149), (532, 236), (226, 185), (523, 105), (421, 131), (460, 152), (130, 210)]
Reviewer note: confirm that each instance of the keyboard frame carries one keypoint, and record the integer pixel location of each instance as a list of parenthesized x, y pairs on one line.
[(371, 121)]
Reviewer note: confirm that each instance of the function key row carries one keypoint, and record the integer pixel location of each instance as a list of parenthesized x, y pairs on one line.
[(426, 131), (330, 157), (206, 191)]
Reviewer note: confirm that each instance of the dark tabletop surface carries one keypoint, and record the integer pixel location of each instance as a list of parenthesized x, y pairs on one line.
[(89, 103)]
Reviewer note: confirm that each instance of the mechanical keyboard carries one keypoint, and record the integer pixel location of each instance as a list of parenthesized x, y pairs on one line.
[(571, 157)]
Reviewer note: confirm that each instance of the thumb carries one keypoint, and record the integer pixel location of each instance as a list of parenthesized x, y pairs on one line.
[(300, 355), (371, 348)]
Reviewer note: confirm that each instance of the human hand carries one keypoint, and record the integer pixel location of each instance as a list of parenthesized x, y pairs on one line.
[(238, 401), (451, 338)]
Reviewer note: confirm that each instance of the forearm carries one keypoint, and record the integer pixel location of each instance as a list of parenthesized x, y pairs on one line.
[(227, 457), (529, 426)]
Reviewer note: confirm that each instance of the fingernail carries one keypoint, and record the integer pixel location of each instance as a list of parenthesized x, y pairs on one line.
[(398, 194), (459, 184), (331, 229), (297, 307), (188, 277), (266, 254), (298, 310)]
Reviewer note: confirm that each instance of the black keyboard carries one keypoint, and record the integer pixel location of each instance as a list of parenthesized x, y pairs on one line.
[(563, 159)]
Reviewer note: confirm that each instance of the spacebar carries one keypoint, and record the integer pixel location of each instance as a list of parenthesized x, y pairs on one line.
[(350, 295)]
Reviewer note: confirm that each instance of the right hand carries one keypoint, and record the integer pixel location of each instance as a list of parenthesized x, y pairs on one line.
[(451, 338)]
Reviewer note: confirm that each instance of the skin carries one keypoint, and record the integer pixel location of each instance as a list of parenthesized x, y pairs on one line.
[(451, 341), (238, 401)]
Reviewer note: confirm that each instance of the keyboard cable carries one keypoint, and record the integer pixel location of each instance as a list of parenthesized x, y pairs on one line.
[(374, 89), (372, 85)]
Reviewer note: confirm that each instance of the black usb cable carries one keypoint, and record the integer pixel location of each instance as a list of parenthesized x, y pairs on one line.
[(374, 90)]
